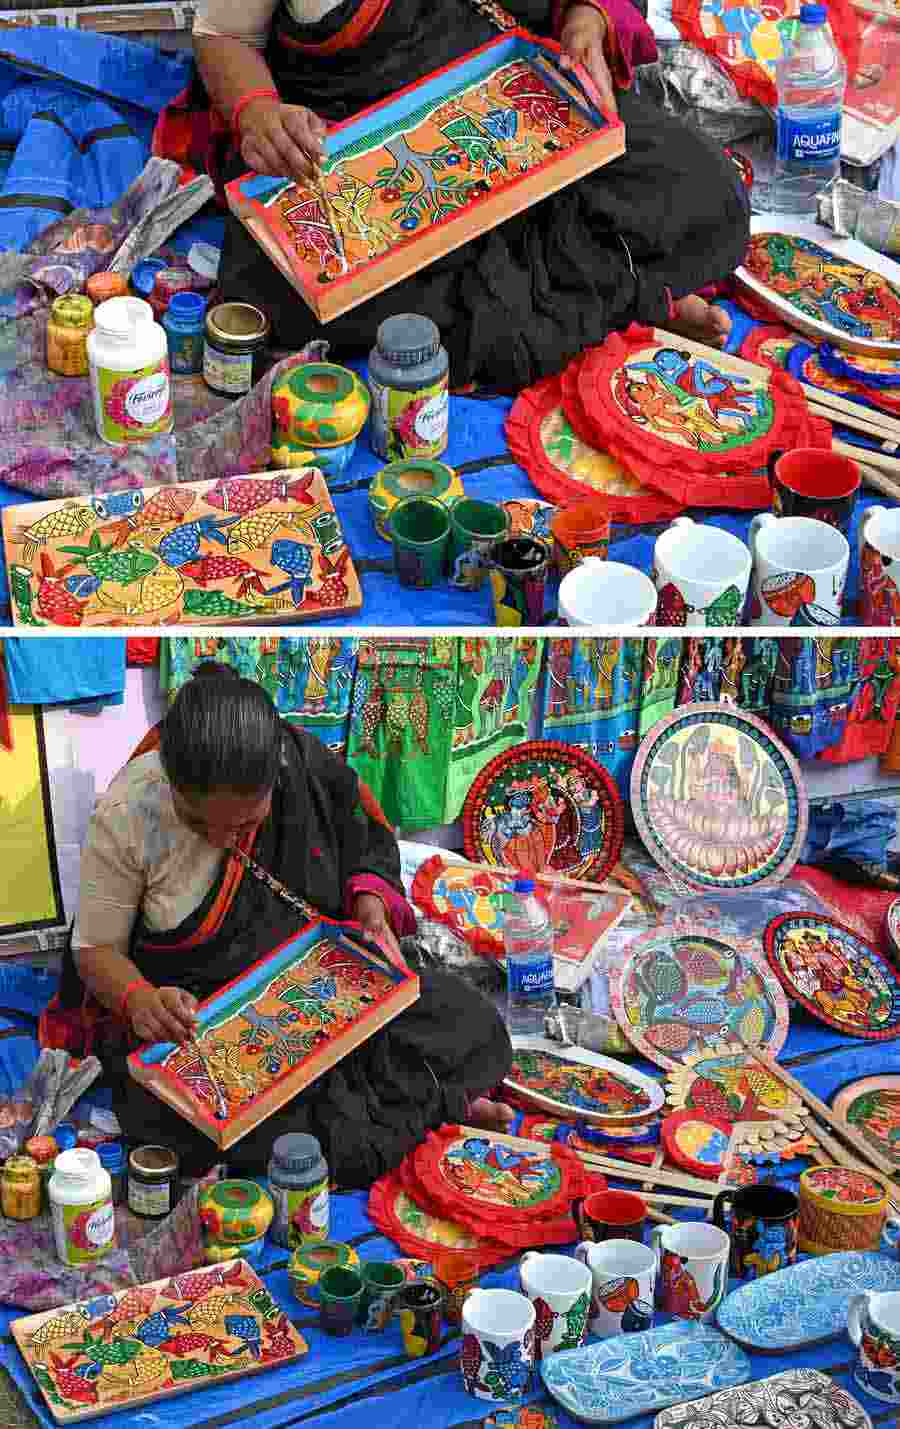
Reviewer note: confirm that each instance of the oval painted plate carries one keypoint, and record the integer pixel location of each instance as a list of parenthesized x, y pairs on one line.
[(571, 1082), (834, 974), (804, 1304), (717, 799), (677, 993), (545, 807), (871, 1106), (696, 1142)]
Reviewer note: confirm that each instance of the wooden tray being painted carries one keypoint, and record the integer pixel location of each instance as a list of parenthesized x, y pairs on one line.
[(717, 799), (238, 551), (138, 1346), (835, 975), (569, 1082), (798, 1396), (275, 1030), (420, 174), (829, 288)]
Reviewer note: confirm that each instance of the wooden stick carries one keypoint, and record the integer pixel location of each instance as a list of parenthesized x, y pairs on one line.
[(887, 436), (889, 464), (627, 880), (667, 1198), (628, 1171), (870, 475)]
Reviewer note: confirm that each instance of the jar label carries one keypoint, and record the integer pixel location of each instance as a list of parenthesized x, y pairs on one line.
[(806, 141), (155, 1200), (227, 372), (301, 1217), (83, 1233), (132, 406), (185, 354), (409, 424)]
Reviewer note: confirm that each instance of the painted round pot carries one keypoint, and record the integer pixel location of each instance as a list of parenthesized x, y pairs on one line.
[(235, 1212), (218, 1254), (318, 404), (310, 1262), (331, 461), (842, 1209), (403, 479)]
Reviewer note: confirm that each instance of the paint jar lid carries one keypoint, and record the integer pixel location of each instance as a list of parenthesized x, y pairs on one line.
[(144, 275), (408, 339), (112, 1156), (73, 310), (153, 1163), (296, 1152), (65, 1135), (188, 307)]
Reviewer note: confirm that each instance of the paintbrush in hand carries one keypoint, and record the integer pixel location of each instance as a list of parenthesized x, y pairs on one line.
[(221, 1100)]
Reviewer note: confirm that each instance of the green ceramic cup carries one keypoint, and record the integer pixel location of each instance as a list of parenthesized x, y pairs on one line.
[(381, 1282), (474, 527), (420, 531), (340, 1295)]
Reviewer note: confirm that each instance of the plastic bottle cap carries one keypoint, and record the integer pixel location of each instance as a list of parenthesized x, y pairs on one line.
[(408, 339), (523, 885), (189, 306), (65, 1135), (79, 1162), (297, 1152), (813, 14), (144, 274)]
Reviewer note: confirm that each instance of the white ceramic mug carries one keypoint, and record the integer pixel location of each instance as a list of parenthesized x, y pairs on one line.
[(879, 567), (693, 1268), (560, 1290), (701, 573), (799, 570), (624, 1283), (492, 1321), (606, 593), (873, 1324)]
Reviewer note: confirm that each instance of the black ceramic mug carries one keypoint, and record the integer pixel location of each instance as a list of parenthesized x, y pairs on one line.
[(763, 1228)]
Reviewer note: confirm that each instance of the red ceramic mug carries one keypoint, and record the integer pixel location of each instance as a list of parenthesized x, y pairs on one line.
[(815, 483), (610, 1215)]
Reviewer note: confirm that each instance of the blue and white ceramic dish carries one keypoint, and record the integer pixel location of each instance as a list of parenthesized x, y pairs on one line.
[(804, 1304), (616, 1379)]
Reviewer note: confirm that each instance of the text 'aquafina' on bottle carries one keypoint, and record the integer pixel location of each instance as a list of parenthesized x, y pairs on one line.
[(528, 945), (811, 80)]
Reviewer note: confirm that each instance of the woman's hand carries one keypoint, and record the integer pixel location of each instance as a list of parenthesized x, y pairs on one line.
[(581, 42), (281, 140), (371, 914), (163, 1014)]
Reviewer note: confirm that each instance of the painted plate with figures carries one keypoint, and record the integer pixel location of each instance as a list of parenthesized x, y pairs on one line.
[(571, 1083), (835, 974), (872, 1107)]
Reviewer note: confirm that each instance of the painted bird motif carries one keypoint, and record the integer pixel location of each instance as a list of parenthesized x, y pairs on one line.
[(165, 506), (54, 602), (182, 545), (155, 1329), (246, 494), (253, 532), (69, 520), (108, 564), (296, 560), (222, 568)]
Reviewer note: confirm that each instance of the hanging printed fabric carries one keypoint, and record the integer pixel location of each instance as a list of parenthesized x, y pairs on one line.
[(874, 701), (812, 688), (251, 656), (401, 725), (659, 686), (592, 695), (758, 673), (496, 678)]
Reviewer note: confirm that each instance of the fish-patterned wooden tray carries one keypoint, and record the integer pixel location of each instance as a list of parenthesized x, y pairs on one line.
[(119, 1351), (241, 550)]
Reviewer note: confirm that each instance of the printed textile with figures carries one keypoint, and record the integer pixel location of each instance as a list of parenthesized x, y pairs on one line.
[(495, 688), (310, 679), (592, 698)]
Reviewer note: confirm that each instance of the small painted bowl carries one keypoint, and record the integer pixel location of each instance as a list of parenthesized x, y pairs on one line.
[(841, 1209), (403, 479), (309, 1262), (318, 404), (235, 1212)]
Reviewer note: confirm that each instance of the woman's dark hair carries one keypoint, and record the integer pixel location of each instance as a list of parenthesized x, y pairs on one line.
[(222, 732)]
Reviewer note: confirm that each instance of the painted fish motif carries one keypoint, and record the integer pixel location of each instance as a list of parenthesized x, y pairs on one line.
[(160, 589), (72, 1322), (107, 564), (215, 605), (20, 589), (253, 532), (82, 587), (54, 602), (170, 504), (210, 1310), (222, 568), (183, 544), (296, 560), (156, 1328), (246, 1329), (69, 520), (196, 1283), (149, 1367), (117, 503), (246, 494), (69, 1383), (189, 1341), (134, 1305)]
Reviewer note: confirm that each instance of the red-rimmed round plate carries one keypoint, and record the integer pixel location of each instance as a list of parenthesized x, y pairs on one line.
[(835, 974), (769, 344), (418, 1232), (876, 372), (696, 1142), (545, 807)]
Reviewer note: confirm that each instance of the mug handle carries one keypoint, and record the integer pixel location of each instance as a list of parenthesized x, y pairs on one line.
[(724, 1198), (891, 1231), (774, 459), (582, 1251), (866, 521), (759, 522), (656, 1240), (857, 1305), (578, 1203)]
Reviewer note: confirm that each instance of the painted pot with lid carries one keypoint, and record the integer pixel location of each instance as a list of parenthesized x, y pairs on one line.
[(235, 1212)]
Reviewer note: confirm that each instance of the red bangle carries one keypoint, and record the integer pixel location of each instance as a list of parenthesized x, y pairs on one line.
[(248, 98), (670, 304), (123, 1005)]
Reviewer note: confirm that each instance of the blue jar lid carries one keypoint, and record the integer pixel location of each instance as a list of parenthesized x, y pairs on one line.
[(187, 307), (65, 1135), (813, 14), (144, 275), (112, 1155)]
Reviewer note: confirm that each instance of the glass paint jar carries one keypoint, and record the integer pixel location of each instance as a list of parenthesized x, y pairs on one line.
[(20, 1188), (236, 334), (183, 324), (298, 1183), (408, 378), (129, 365), (68, 327), (81, 1207), (101, 286), (166, 284), (43, 1150), (152, 1181)]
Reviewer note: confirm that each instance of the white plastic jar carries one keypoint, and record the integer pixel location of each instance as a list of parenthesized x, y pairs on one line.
[(81, 1205), (128, 358)]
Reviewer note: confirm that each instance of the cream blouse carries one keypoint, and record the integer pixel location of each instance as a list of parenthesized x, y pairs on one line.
[(250, 20)]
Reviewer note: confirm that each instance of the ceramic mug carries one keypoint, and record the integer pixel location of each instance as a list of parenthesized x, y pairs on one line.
[(518, 567), (419, 528), (381, 1282), (799, 570), (815, 483), (340, 1294), (693, 1269), (606, 593), (624, 1282), (879, 567), (873, 1324), (560, 1290), (419, 1305), (763, 1227), (702, 575), (497, 1354), (474, 527), (579, 531), (456, 1271), (610, 1215)]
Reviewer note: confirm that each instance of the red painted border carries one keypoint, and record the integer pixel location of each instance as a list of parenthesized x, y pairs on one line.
[(478, 939), (381, 1210), (750, 348), (874, 1034), (682, 1158)]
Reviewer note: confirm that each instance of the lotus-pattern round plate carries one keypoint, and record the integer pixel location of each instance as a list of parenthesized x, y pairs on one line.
[(574, 1083), (717, 799), (678, 992), (835, 974), (872, 1107)]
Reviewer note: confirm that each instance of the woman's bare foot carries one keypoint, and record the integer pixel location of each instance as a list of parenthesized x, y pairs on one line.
[(701, 321), (490, 1116)]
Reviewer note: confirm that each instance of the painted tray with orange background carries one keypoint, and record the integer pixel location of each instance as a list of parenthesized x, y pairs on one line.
[(570, 1082), (240, 550), (693, 427), (835, 974), (545, 807), (678, 991), (871, 1105)]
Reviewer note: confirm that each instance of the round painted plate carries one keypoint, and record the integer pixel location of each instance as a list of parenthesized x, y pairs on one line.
[(717, 799), (835, 975), (678, 992), (769, 344), (892, 927), (805, 363), (877, 372), (872, 1107), (418, 1232), (574, 1083), (696, 1142), (545, 807)]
